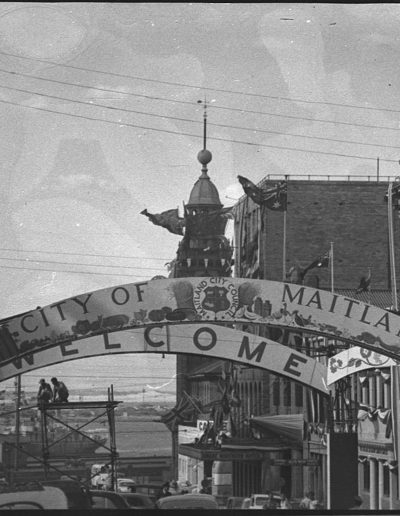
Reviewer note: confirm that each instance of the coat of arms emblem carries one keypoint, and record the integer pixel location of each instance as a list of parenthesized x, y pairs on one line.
[(216, 298)]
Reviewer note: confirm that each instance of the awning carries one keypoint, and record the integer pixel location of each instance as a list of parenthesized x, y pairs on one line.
[(286, 425), (231, 452)]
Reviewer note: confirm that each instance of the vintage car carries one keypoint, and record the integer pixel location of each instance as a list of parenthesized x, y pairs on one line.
[(187, 501), (32, 497), (108, 500), (138, 500), (126, 485), (257, 501), (234, 502), (77, 495)]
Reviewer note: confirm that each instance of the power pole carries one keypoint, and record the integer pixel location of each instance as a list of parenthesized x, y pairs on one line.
[(17, 420)]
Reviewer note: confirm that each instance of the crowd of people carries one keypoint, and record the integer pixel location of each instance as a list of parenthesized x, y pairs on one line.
[(47, 394), (309, 502)]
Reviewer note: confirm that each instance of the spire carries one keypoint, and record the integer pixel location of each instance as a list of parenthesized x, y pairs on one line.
[(204, 156), (204, 192)]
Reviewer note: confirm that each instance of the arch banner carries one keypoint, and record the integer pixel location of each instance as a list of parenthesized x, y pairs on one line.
[(201, 339), (354, 360), (208, 299)]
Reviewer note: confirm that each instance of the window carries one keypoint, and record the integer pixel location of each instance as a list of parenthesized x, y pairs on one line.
[(275, 392), (386, 481), (287, 393), (298, 395), (366, 475)]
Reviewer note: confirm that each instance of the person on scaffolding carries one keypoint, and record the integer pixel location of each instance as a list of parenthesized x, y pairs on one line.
[(60, 391), (45, 393)]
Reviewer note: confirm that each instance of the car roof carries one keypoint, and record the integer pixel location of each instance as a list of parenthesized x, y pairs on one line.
[(103, 493), (48, 497), (189, 500), (76, 493), (138, 496), (134, 495), (111, 495)]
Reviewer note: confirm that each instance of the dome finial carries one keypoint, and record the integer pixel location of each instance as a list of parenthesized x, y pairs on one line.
[(204, 156)]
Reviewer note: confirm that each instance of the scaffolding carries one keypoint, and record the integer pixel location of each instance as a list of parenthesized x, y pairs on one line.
[(55, 412)]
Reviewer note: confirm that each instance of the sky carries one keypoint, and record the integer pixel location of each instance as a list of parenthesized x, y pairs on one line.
[(100, 112)]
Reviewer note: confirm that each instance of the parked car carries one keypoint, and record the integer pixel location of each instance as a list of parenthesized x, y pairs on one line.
[(126, 485), (187, 501), (138, 500), (33, 497), (77, 495), (234, 502), (108, 500)]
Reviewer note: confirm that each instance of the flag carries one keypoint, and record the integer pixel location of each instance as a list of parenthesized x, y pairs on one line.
[(364, 285), (273, 198), (183, 411), (395, 397), (395, 192), (225, 213), (200, 223), (322, 261), (167, 219), (251, 190), (296, 274), (276, 198), (234, 399), (230, 427), (310, 407)]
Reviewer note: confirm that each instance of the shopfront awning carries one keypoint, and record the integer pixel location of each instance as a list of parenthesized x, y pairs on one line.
[(290, 426), (245, 451)]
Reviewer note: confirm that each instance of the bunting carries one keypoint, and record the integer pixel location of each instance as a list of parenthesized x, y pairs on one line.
[(169, 220), (372, 414)]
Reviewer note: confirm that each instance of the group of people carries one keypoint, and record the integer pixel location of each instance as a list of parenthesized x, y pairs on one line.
[(173, 488), (309, 501), (46, 394), (102, 480)]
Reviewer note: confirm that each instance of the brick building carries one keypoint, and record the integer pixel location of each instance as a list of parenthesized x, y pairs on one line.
[(351, 219)]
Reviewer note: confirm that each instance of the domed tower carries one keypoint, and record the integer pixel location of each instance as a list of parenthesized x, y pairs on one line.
[(204, 250)]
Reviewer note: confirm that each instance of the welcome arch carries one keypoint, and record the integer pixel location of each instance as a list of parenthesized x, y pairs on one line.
[(133, 314), (198, 339)]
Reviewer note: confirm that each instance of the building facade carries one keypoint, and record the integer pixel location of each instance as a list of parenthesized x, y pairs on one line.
[(274, 438)]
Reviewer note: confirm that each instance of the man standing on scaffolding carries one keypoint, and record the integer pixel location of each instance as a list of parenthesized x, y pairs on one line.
[(45, 393), (60, 391)]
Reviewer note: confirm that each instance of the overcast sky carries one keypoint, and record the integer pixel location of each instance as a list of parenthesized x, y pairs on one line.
[(101, 120)]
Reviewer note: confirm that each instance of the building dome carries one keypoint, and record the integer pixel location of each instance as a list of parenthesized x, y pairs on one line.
[(204, 193)]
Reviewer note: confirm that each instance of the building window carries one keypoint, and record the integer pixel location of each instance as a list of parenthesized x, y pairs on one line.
[(386, 481), (287, 393), (366, 475), (275, 392), (298, 395)]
